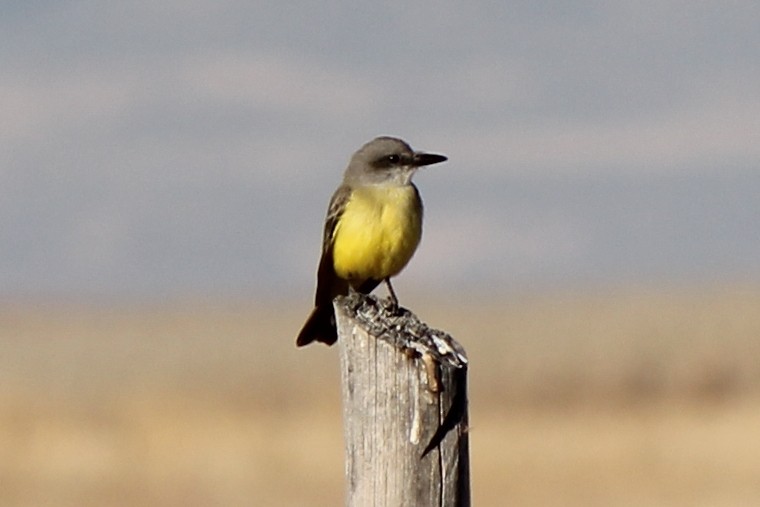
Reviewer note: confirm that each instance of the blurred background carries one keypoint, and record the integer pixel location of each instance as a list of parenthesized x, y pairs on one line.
[(592, 242)]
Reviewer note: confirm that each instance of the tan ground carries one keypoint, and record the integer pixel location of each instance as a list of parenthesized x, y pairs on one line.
[(630, 397)]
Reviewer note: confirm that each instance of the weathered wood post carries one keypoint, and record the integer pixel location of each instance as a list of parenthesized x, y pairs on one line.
[(404, 391)]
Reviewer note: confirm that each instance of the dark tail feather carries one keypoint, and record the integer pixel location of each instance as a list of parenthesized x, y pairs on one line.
[(320, 327)]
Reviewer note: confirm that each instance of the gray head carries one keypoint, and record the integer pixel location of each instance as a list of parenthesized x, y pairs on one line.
[(387, 160)]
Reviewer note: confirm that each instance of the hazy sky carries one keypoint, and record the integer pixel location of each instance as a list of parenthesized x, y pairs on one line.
[(170, 148)]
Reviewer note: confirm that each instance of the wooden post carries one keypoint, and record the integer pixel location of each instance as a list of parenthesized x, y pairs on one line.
[(404, 391)]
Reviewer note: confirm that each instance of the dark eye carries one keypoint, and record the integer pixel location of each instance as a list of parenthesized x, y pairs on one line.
[(393, 159)]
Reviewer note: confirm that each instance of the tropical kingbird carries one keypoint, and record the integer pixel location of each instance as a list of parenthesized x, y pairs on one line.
[(373, 227)]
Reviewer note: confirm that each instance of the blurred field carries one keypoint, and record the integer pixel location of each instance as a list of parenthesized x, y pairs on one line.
[(624, 398)]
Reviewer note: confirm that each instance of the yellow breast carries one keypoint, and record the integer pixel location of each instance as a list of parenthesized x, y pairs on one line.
[(377, 233)]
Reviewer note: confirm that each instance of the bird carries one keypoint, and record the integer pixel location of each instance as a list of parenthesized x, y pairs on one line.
[(372, 229)]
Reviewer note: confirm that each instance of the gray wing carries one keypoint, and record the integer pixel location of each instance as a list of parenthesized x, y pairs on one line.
[(328, 283), (334, 212)]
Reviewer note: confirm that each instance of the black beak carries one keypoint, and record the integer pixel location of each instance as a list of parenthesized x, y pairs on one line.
[(421, 159)]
